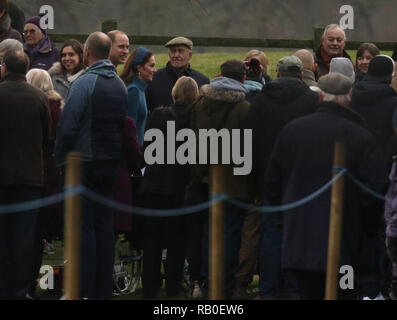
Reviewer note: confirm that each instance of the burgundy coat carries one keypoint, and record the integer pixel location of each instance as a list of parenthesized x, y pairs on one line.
[(132, 163)]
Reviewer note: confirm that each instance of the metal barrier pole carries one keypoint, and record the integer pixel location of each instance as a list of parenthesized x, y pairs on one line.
[(72, 228), (335, 226), (216, 237)]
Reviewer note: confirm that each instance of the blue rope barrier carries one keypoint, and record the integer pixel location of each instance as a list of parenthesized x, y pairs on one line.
[(365, 188), (69, 191), (44, 202), (293, 205), (153, 212)]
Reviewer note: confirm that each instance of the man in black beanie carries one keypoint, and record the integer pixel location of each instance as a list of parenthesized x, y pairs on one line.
[(376, 101)]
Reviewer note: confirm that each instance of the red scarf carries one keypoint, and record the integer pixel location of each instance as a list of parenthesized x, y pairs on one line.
[(327, 59)]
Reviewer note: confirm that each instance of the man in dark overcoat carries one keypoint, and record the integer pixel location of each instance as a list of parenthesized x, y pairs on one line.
[(301, 163)]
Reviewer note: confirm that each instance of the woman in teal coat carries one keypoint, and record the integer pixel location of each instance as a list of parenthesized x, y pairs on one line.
[(138, 72)]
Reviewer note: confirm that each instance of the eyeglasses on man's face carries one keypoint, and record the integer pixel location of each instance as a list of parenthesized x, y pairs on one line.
[(26, 32)]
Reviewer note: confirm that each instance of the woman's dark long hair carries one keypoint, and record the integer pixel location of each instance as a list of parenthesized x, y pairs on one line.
[(129, 72), (78, 49)]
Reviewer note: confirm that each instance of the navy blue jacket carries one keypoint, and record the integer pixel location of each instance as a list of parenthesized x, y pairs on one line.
[(93, 118), (158, 92)]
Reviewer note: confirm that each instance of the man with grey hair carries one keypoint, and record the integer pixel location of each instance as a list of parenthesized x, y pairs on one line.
[(332, 45), (279, 102), (10, 44), (301, 163), (120, 47), (92, 123), (309, 67), (24, 130)]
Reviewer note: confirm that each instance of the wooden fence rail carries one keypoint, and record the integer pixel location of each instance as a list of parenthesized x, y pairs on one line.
[(108, 25)]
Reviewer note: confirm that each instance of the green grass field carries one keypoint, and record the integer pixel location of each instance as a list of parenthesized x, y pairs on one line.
[(209, 63)]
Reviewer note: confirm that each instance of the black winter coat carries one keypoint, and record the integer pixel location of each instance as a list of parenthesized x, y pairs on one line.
[(376, 103), (167, 179), (302, 162), (24, 131), (158, 92), (280, 101)]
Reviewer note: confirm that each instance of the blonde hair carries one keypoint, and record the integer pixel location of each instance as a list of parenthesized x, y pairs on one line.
[(260, 55), (185, 91), (41, 79)]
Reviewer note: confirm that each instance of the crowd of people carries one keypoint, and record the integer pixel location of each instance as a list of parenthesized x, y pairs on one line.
[(55, 101)]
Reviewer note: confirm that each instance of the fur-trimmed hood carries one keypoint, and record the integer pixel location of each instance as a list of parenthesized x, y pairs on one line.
[(224, 89), (56, 69)]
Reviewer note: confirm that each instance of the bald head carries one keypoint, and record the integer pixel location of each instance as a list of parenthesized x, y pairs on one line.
[(98, 46), (307, 59)]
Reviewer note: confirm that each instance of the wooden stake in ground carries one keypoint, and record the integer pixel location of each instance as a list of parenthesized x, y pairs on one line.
[(216, 237), (335, 226), (72, 228)]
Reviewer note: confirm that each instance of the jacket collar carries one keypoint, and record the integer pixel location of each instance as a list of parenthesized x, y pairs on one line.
[(44, 46), (19, 77), (140, 84), (308, 75), (178, 73), (320, 59), (347, 113)]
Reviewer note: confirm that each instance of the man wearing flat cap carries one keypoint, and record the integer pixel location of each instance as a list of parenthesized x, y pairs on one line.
[(279, 102), (301, 163), (159, 90)]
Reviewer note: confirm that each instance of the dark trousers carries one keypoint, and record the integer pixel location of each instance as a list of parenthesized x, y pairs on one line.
[(162, 233), (97, 245), (16, 242), (273, 282), (233, 224), (194, 236), (251, 237), (311, 286)]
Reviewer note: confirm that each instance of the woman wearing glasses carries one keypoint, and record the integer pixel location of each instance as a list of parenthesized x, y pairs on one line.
[(38, 46)]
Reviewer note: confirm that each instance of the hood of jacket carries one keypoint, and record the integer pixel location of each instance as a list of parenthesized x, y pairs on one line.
[(285, 89), (224, 89), (371, 93), (102, 68), (251, 85), (56, 69)]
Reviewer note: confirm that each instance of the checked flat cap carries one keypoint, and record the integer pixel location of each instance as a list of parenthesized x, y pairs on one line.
[(335, 83), (180, 41)]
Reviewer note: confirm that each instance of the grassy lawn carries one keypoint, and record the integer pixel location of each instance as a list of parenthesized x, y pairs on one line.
[(209, 63), (57, 259)]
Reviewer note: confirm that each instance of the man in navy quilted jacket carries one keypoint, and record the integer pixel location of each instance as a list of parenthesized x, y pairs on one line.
[(92, 124)]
